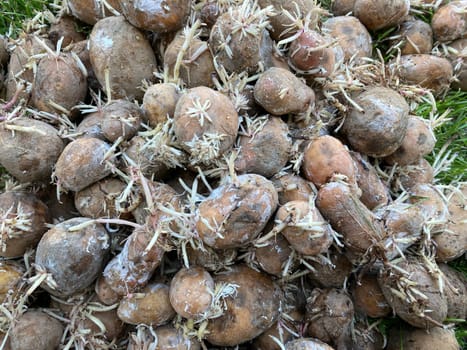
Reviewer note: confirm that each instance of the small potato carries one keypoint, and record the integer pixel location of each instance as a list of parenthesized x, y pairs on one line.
[(307, 344), (379, 128), (427, 306), (450, 21), (306, 230), (325, 157), (332, 272), (104, 293), (11, 274), (163, 338), (150, 306), (368, 297), (29, 149), (366, 337), (121, 55), (380, 14), (35, 330), (121, 119), (210, 259), (75, 258), (280, 330), (273, 255), (205, 124), (158, 17), (90, 11), (351, 36), (280, 92), (413, 174), (191, 292), (65, 27), (234, 214), (24, 218), (91, 126), (256, 156), (82, 163), (249, 312), (413, 339), (330, 313), (100, 199), (416, 37), (292, 187), (459, 62), (197, 66), (419, 141), (159, 103), (342, 7)]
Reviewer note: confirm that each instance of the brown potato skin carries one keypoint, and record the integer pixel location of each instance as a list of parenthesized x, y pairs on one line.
[(170, 338), (379, 14), (91, 126), (459, 63), (243, 208), (73, 258), (326, 156), (269, 92), (307, 344), (29, 156), (331, 276), (273, 255), (252, 310), (379, 130), (342, 7), (449, 23), (66, 27), (413, 174), (351, 35), (104, 293), (4, 55), (292, 187), (37, 212), (368, 298), (10, 276), (159, 102), (82, 163), (116, 45), (156, 16), (456, 292), (417, 37), (414, 339), (35, 330), (90, 11), (121, 118), (152, 307)]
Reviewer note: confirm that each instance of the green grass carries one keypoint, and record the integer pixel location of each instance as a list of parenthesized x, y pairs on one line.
[(14, 12)]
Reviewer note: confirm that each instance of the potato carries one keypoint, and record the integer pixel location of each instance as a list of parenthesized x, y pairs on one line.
[(307, 344), (280, 330), (239, 39), (210, 259), (349, 217), (234, 214), (196, 67), (121, 119), (413, 174), (60, 81), (428, 71), (35, 330), (104, 293), (273, 255), (456, 291), (150, 306), (280, 92), (368, 298), (367, 337), (414, 294), (74, 259), (292, 187), (306, 230), (330, 272), (459, 63), (191, 292), (81, 49), (4, 54), (351, 36), (24, 218), (90, 11), (374, 192), (256, 156), (342, 7), (163, 338), (379, 128), (159, 102), (91, 126), (168, 16), (123, 54), (29, 149), (205, 124), (450, 21), (452, 243), (11, 274), (249, 312), (416, 37), (325, 157), (414, 339), (65, 27), (82, 163), (330, 313), (380, 14)]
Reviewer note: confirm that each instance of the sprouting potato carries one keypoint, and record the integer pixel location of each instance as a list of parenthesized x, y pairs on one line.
[(379, 14), (450, 21), (292, 187), (273, 255), (416, 37), (159, 103), (121, 119), (342, 7), (330, 272), (368, 298), (413, 174), (90, 11), (65, 27), (10, 277)]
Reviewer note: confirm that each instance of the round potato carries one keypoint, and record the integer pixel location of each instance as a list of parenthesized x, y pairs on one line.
[(379, 14), (90, 11), (450, 21), (159, 103), (416, 37)]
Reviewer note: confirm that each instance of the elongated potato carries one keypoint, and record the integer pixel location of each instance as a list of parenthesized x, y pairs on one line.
[(121, 53)]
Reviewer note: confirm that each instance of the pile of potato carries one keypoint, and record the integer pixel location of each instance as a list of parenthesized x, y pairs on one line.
[(229, 175)]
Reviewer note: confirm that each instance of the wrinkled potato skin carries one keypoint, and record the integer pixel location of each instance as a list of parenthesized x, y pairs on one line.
[(449, 23), (418, 339), (35, 330), (379, 130), (379, 14), (157, 16), (29, 156), (82, 163), (351, 35), (73, 258), (117, 46), (38, 214), (90, 11), (159, 102), (152, 308), (248, 313)]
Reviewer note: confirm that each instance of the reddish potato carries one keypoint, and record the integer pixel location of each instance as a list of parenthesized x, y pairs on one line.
[(159, 103), (29, 149), (379, 14)]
